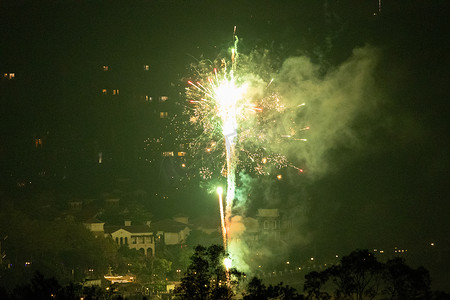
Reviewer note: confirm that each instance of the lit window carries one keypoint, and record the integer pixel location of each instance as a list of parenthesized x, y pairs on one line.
[(181, 153), (38, 143), (163, 114), (105, 68), (104, 92), (146, 67), (167, 153), (11, 75), (148, 98), (115, 92), (163, 98)]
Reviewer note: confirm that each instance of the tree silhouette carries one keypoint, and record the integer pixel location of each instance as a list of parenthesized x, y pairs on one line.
[(360, 276), (313, 284), (206, 276), (256, 290), (403, 282)]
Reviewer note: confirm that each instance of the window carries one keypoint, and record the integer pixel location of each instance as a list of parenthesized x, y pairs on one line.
[(133, 240), (167, 153), (9, 75), (147, 98), (38, 143), (104, 92), (163, 98), (163, 115), (181, 153), (126, 240), (266, 224), (146, 67), (115, 92), (105, 68)]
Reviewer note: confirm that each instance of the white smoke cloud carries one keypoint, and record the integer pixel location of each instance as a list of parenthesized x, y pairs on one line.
[(333, 101)]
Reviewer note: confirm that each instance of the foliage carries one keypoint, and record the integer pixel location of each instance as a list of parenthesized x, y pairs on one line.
[(256, 290), (313, 283), (403, 282), (206, 276), (360, 276), (60, 248), (40, 288), (43, 288)]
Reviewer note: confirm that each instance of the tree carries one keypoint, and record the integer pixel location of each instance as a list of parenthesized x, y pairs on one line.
[(403, 282), (360, 276), (256, 290), (206, 276), (314, 281), (40, 288)]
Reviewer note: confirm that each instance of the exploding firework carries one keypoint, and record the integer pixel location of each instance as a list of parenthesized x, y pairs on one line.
[(239, 118)]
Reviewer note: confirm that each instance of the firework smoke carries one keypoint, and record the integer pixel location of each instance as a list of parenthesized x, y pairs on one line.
[(253, 119)]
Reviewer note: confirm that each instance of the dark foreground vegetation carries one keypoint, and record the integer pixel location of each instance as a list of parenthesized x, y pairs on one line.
[(358, 275)]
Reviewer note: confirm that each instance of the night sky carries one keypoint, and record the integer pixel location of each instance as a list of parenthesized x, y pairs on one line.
[(376, 170)]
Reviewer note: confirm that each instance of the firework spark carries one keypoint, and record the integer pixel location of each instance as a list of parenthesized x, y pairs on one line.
[(239, 117)]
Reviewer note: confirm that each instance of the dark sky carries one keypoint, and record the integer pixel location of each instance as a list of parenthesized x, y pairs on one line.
[(389, 188)]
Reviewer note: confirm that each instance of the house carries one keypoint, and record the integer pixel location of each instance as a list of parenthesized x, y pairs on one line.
[(171, 231), (96, 226), (269, 224), (138, 237)]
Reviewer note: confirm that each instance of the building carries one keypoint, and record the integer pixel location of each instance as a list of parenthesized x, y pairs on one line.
[(95, 226), (171, 231), (269, 222), (139, 237)]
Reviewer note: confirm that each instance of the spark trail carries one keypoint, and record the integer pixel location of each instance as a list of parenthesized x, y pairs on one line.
[(240, 119)]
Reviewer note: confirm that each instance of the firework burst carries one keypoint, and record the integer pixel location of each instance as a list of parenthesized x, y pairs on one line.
[(239, 117)]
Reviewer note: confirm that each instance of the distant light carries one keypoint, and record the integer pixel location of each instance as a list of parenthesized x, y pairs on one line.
[(279, 176), (312, 258), (432, 244), (337, 256), (219, 190), (287, 262)]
